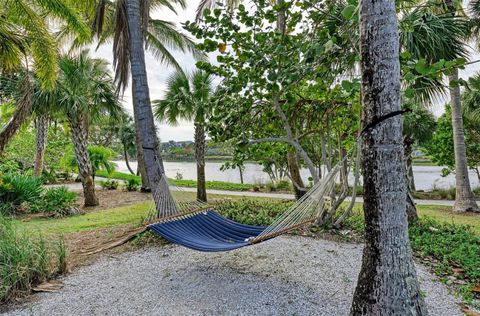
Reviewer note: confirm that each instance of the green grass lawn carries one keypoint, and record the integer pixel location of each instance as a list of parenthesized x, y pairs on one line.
[(216, 185)]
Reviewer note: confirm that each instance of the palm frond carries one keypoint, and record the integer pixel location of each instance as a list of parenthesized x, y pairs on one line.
[(166, 33), (432, 37)]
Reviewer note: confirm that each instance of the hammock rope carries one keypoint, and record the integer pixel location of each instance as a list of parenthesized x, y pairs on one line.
[(196, 225)]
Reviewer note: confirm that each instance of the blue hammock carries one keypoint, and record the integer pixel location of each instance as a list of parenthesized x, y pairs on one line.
[(207, 231)]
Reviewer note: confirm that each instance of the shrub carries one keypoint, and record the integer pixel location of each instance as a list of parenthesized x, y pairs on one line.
[(109, 184), (284, 184), (253, 212), (23, 261), (58, 200), (271, 187), (132, 184), (19, 192)]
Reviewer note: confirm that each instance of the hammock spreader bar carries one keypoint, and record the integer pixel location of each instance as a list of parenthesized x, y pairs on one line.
[(207, 231)]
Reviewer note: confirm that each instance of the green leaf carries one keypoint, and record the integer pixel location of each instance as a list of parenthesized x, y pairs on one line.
[(409, 93), (409, 77), (421, 67), (349, 11)]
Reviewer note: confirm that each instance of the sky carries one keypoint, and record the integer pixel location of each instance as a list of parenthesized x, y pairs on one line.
[(158, 74)]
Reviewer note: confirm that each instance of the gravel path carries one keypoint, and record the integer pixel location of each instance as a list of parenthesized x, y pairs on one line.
[(284, 276)]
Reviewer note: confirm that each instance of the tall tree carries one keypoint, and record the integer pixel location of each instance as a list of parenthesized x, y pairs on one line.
[(464, 197), (110, 21), (142, 108), (25, 36), (188, 97), (84, 92), (387, 282)]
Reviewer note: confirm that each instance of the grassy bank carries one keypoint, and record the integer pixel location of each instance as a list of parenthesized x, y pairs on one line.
[(214, 185)]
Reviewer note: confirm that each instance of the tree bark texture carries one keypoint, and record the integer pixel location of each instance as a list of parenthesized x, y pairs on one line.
[(78, 130), (142, 109), (141, 170), (387, 283), (41, 129), (464, 198), (21, 114), (200, 159), (294, 169)]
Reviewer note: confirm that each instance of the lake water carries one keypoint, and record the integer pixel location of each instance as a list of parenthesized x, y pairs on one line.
[(426, 177)]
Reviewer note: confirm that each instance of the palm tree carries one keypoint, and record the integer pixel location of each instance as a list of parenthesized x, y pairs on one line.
[(85, 91), (132, 29), (25, 36), (464, 197), (387, 265), (142, 108), (188, 98)]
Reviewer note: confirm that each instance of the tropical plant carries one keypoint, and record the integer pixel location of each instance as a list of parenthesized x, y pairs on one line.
[(189, 98), (132, 29), (58, 200), (19, 193), (26, 35), (100, 157), (85, 91), (137, 17)]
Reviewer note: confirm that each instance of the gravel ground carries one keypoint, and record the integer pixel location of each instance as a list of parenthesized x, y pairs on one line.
[(284, 276)]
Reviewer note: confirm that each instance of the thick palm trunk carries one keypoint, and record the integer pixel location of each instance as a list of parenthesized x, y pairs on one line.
[(21, 114), (387, 283), (200, 159), (293, 167), (141, 170), (85, 169), (41, 126), (464, 198), (142, 109)]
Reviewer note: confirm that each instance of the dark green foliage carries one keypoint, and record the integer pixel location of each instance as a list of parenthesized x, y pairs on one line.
[(59, 200), (25, 194), (452, 245), (132, 184), (19, 192)]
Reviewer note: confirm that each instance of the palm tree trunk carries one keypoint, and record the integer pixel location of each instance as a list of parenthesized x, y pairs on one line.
[(125, 156), (85, 170), (293, 167), (200, 159), (141, 169), (21, 114), (41, 125), (387, 283), (408, 149), (464, 198), (412, 214), (142, 109)]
